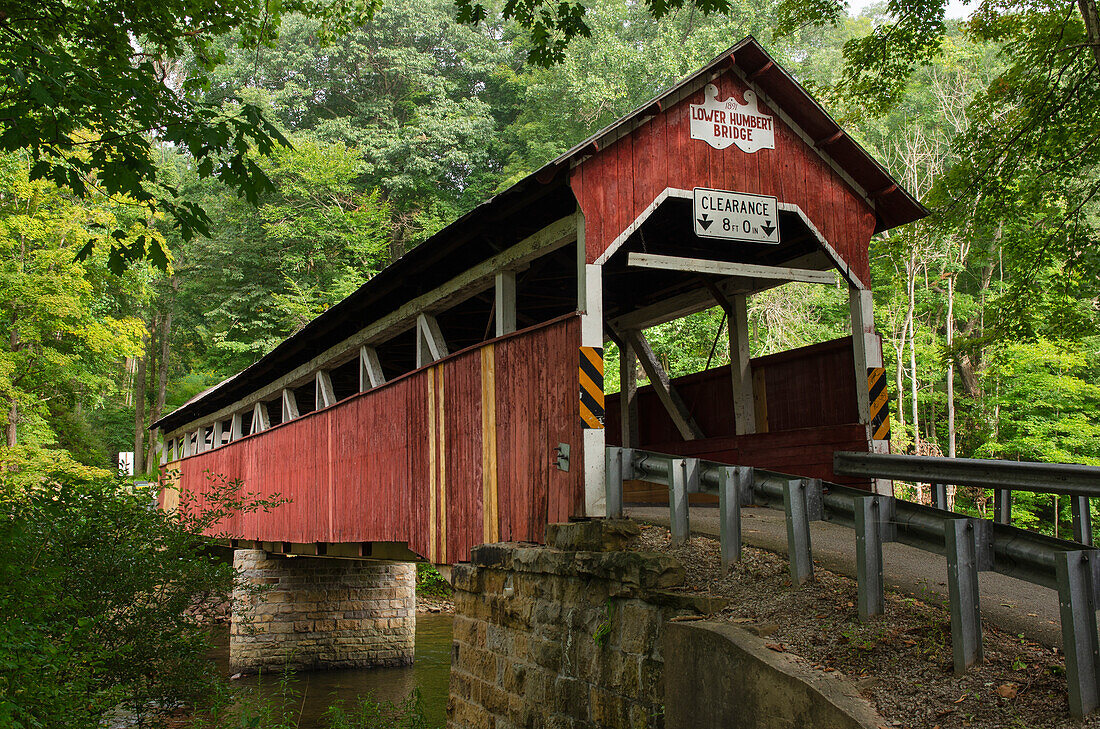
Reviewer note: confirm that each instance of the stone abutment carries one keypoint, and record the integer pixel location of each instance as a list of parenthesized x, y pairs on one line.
[(312, 613)]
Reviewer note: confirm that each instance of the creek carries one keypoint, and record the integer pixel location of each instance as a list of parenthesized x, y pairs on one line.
[(315, 691)]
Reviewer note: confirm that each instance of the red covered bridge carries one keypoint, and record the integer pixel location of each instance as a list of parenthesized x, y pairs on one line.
[(457, 397)]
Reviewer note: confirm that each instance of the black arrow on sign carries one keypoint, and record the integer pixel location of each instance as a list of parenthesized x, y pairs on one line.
[(767, 227), (704, 222)]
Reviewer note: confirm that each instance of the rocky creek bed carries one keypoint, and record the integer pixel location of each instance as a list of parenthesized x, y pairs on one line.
[(901, 662)]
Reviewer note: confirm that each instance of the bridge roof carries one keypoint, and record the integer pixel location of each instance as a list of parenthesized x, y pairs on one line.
[(536, 201)]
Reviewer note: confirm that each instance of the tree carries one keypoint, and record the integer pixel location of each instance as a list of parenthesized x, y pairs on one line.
[(101, 599), (88, 88), (59, 335)]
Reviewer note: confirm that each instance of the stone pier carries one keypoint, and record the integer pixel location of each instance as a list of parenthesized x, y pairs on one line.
[(313, 613)]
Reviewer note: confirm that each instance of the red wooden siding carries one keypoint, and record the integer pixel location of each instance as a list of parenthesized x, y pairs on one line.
[(615, 185), (811, 411), (407, 462)]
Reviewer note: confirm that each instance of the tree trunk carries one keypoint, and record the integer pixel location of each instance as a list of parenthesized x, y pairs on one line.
[(164, 334), (13, 423), (139, 407), (1091, 17), (950, 367)]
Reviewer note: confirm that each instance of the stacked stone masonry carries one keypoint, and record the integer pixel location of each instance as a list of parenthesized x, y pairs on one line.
[(313, 613), (565, 636)]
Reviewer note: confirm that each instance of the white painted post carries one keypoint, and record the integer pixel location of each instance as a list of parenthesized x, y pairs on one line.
[(628, 394), (261, 421), (217, 441), (430, 344), (236, 427), (290, 405), (505, 302), (370, 367), (590, 304), (324, 395), (744, 411)]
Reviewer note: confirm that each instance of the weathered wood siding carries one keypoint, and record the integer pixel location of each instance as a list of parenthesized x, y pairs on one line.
[(616, 184), (443, 458), (810, 405)]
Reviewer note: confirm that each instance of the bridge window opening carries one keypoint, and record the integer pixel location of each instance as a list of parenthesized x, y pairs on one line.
[(398, 354), (303, 396), (345, 380), (274, 412)]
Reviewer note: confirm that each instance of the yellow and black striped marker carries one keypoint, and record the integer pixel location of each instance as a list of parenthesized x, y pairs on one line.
[(880, 403), (591, 379)]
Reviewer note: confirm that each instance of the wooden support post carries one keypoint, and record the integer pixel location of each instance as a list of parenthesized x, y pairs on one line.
[(236, 427), (370, 368), (862, 328), (737, 314), (217, 440), (430, 344), (628, 394), (668, 396), (290, 405), (200, 439), (962, 585), (744, 408), (505, 302), (261, 421), (324, 395)]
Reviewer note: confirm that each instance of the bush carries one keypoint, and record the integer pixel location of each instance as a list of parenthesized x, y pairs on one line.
[(430, 582), (100, 598)]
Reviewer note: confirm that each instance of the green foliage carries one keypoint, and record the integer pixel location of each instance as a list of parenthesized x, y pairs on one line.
[(100, 595), (430, 582)]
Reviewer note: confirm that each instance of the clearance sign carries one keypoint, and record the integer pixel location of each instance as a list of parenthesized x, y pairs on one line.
[(722, 123)]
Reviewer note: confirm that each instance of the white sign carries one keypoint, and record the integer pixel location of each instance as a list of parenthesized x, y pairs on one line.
[(736, 216), (722, 123)]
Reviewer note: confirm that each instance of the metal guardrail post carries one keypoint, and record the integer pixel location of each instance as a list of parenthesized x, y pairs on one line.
[(939, 495), (815, 499), (613, 483), (962, 581), (868, 523), (731, 486), (1082, 520), (798, 532), (693, 478), (1002, 506), (678, 501), (1077, 604)]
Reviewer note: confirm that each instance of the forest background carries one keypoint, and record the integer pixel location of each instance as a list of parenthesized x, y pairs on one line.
[(988, 309)]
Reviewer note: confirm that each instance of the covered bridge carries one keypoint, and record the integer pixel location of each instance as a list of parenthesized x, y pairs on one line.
[(457, 397)]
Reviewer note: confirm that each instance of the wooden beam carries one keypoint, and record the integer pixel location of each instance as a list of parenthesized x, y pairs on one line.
[(217, 440), (737, 314), (200, 439), (430, 344), (628, 395), (505, 302), (236, 427), (324, 395), (666, 393), (723, 268), (290, 405), (261, 421), (474, 280), (370, 369)]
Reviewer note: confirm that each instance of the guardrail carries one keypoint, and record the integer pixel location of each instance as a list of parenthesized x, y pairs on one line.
[(970, 545), (1078, 482)]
